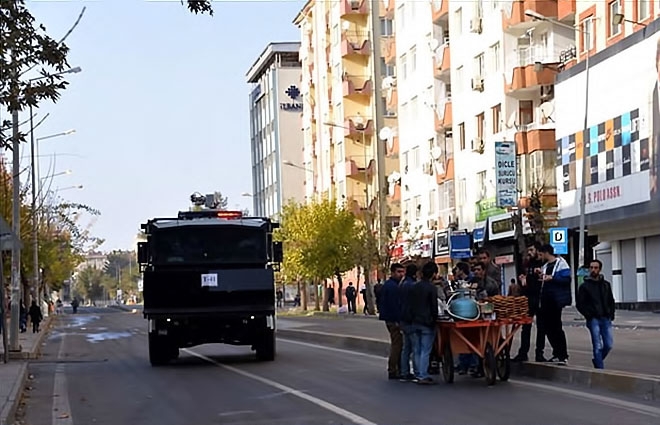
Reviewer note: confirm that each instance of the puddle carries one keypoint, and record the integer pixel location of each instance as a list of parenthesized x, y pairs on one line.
[(106, 336), (79, 321)]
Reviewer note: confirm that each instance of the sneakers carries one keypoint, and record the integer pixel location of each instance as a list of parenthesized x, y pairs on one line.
[(408, 378), (558, 361), (426, 381)]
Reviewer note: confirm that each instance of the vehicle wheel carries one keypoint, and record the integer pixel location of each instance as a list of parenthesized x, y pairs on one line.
[(448, 365), (490, 365), (504, 363), (266, 346), (159, 354)]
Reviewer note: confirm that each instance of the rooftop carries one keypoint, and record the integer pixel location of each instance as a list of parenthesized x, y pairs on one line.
[(287, 49)]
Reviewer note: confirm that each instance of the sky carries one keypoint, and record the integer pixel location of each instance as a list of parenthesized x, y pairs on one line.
[(160, 108)]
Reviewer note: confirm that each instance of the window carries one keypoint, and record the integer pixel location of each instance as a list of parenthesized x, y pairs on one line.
[(413, 59), (403, 65), (386, 27), (481, 184), (407, 210), (497, 118), (588, 34), (385, 69), (479, 8), (462, 191), (479, 66), (542, 169), (481, 119), (460, 78), (458, 18), (415, 158), (495, 57), (417, 205), (336, 35), (613, 9), (461, 136), (525, 112), (414, 108), (643, 10), (401, 16), (432, 199)]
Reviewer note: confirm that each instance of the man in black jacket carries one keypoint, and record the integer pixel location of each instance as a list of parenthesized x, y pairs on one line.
[(421, 311), (596, 303), (531, 288)]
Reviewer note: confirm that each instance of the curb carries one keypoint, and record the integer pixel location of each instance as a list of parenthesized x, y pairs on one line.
[(14, 398), (645, 387), (35, 352), (576, 322)]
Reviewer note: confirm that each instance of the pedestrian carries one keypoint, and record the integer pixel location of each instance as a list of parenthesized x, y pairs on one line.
[(23, 317), (59, 307), (351, 294), (492, 270), (389, 309), (331, 294), (408, 343), (595, 301), (422, 312), (531, 288), (555, 295), (35, 316)]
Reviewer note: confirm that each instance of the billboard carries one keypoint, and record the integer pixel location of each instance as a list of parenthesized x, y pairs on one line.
[(622, 137), (506, 183)]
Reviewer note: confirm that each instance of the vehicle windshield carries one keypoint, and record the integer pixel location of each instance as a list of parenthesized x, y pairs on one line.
[(208, 244)]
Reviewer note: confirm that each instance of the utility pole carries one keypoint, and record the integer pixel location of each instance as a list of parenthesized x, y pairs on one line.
[(16, 228), (379, 148), (36, 287)]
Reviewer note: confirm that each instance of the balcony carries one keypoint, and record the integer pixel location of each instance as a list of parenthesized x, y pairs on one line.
[(353, 7), (527, 78), (530, 138), (518, 7), (566, 10), (390, 7), (356, 167), (394, 192), (442, 63), (355, 130), (445, 119), (356, 87), (390, 51), (392, 146), (392, 98), (439, 10), (444, 170), (355, 48)]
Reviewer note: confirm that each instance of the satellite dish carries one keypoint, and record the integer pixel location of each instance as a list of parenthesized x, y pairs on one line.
[(345, 26), (436, 153), (385, 133), (388, 83), (433, 45), (547, 109), (511, 122)]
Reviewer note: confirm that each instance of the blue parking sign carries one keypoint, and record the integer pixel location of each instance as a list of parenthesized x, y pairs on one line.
[(559, 240)]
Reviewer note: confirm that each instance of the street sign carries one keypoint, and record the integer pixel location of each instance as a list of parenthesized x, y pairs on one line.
[(559, 240)]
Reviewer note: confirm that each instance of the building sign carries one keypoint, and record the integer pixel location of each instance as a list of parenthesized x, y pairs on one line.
[(441, 243), (487, 208), (294, 102), (501, 227), (460, 245), (506, 177)]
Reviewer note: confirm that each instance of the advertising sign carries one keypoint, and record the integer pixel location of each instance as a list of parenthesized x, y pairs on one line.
[(506, 183)]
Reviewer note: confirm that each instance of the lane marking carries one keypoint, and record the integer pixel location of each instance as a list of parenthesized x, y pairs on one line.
[(61, 414), (354, 418), (600, 399)]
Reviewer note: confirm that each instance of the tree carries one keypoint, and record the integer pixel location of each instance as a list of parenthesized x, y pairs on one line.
[(200, 6), (221, 201), (24, 46), (91, 284), (122, 271)]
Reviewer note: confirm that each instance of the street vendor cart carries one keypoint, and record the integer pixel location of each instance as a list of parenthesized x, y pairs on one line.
[(489, 336)]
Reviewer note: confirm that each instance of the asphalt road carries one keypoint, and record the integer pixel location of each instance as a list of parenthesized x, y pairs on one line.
[(94, 370), (635, 351)]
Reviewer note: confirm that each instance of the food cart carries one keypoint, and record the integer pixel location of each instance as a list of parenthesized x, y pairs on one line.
[(488, 336)]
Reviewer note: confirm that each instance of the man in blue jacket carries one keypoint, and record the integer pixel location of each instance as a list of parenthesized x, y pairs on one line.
[(389, 308)]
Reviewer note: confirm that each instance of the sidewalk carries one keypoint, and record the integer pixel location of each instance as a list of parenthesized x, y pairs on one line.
[(14, 373)]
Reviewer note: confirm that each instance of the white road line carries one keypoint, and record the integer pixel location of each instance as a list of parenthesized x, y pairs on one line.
[(600, 399), (354, 418), (61, 405)]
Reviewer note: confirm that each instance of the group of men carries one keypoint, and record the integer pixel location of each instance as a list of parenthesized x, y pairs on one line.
[(409, 307)]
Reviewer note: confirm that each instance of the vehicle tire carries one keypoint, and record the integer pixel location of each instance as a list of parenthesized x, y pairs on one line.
[(490, 365), (265, 347), (159, 352), (504, 363), (448, 365)]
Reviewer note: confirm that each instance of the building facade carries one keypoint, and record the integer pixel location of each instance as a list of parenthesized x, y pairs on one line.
[(340, 116), (276, 138), (621, 142)]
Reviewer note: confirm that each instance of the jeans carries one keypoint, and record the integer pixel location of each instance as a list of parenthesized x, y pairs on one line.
[(467, 361), (550, 323), (423, 337), (408, 352), (396, 346), (602, 339)]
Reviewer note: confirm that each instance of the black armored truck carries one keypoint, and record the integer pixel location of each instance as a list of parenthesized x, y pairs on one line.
[(208, 277)]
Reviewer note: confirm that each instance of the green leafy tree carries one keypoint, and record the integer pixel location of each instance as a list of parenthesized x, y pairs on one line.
[(122, 271), (199, 6), (90, 284)]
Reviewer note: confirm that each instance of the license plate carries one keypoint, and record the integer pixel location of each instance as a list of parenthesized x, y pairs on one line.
[(210, 280)]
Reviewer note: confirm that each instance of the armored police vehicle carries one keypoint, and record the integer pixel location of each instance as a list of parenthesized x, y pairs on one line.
[(208, 277)]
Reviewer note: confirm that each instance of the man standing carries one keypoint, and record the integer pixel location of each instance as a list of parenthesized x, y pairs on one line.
[(555, 295), (492, 270), (422, 312), (351, 294), (484, 284), (596, 303), (407, 352), (531, 288), (389, 309)]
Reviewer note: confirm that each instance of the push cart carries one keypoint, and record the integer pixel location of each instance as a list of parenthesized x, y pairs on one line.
[(488, 339)]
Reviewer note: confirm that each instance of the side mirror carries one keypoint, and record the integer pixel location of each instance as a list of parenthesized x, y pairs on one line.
[(278, 252), (142, 254)]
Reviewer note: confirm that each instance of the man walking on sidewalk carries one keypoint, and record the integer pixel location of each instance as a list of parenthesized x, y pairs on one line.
[(596, 303), (389, 309), (407, 352), (531, 288)]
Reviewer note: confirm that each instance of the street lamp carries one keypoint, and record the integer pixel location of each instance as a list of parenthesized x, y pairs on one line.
[(586, 143)]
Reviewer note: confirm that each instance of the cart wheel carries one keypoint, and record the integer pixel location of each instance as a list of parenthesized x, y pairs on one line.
[(448, 365), (490, 365), (504, 363)]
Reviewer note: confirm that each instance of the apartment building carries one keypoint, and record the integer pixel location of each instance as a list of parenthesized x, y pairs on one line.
[(276, 138), (341, 135), (621, 40)]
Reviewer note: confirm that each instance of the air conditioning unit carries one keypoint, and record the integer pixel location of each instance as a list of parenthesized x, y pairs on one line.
[(430, 224), (475, 25), (478, 84), (427, 167), (478, 145)]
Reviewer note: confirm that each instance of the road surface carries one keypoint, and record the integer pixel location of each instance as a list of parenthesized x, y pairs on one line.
[(95, 371)]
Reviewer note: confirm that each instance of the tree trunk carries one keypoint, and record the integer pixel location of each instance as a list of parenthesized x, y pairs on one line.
[(340, 286), (317, 298), (369, 292), (326, 306), (303, 296)]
